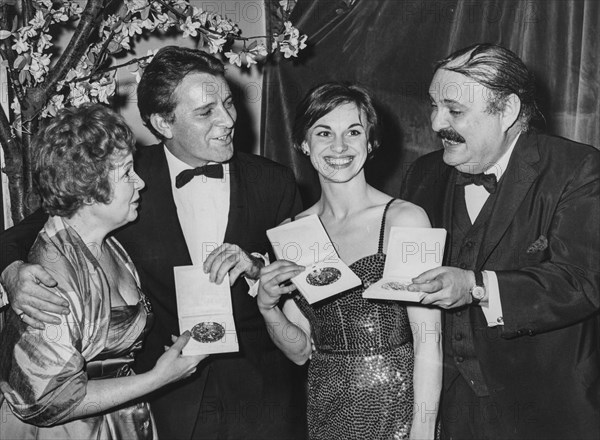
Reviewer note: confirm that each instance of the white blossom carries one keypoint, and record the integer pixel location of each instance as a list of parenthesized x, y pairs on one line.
[(136, 5), (54, 105), (234, 58), (21, 45), (38, 21), (189, 27), (215, 43), (103, 89), (78, 94)]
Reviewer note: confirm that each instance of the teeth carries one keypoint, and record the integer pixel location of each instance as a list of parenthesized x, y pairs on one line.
[(338, 161), (448, 141)]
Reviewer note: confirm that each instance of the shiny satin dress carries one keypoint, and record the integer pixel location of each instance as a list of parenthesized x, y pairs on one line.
[(360, 377), (44, 373)]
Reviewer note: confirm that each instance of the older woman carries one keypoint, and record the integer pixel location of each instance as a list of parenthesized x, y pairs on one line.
[(73, 380), (375, 369)]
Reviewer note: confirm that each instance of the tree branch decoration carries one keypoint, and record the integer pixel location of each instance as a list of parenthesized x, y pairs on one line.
[(41, 80)]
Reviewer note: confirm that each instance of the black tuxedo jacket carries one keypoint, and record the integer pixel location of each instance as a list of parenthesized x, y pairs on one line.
[(262, 195), (543, 242)]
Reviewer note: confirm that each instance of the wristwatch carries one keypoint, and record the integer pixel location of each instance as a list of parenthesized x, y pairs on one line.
[(478, 290)]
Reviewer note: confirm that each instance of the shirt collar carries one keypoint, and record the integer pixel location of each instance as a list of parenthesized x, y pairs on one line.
[(499, 168)]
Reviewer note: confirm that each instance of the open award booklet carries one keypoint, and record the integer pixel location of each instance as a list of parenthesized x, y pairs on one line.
[(205, 309), (410, 252), (305, 242)]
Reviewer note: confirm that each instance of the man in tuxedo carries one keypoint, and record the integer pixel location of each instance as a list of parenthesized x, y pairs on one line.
[(204, 205), (521, 283)]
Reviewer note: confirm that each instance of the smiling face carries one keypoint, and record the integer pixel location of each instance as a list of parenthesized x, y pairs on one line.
[(124, 201), (473, 138), (338, 143), (202, 126)]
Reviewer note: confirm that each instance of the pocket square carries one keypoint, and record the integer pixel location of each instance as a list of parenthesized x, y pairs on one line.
[(539, 245)]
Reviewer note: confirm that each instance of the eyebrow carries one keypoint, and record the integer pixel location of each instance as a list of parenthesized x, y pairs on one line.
[(123, 165), (452, 101), (212, 104), (356, 124), (204, 107), (447, 102)]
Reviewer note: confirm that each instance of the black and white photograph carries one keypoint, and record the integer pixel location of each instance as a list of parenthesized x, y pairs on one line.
[(300, 219)]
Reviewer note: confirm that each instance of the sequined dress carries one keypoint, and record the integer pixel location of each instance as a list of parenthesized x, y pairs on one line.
[(360, 379)]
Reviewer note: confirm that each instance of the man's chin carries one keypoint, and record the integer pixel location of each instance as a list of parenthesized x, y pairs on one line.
[(228, 155), (221, 155), (451, 158)]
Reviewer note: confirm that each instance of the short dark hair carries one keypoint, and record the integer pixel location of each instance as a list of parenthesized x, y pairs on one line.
[(170, 65), (74, 154), (501, 71), (324, 98)]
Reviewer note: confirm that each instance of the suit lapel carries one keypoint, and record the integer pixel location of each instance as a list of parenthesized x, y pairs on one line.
[(236, 219), (160, 199), (447, 210), (514, 186)]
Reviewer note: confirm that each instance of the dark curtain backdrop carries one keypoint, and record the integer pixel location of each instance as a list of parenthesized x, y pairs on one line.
[(389, 46)]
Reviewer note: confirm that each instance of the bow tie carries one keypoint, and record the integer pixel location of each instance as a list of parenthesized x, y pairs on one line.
[(489, 181), (214, 171)]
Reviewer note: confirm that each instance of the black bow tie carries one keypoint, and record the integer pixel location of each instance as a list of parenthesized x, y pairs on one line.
[(489, 181), (214, 171)]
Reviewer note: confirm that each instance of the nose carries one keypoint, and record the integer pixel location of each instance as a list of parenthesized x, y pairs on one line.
[(227, 116), (338, 145), (139, 182), (438, 119)]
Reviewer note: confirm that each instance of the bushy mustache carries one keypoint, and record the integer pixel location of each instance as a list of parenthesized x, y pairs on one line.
[(451, 135)]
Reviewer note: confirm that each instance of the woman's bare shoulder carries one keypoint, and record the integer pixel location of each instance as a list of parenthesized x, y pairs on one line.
[(407, 214)]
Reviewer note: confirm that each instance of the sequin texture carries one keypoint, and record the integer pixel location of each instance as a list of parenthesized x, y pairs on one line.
[(360, 375)]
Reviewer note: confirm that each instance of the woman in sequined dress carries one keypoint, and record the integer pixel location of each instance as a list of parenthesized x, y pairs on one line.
[(375, 366), (72, 380)]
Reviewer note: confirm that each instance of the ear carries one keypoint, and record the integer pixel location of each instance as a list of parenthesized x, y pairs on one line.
[(369, 148), (305, 148), (161, 125), (511, 111)]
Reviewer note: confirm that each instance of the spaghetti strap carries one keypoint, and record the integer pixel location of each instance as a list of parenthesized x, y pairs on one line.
[(382, 230)]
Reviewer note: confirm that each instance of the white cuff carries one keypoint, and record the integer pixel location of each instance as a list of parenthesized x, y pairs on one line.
[(493, 311), (253, 284)]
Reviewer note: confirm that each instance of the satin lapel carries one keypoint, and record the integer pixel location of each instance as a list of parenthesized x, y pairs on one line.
[(513, 187), (236, 220), (160, 199), (447, 211)]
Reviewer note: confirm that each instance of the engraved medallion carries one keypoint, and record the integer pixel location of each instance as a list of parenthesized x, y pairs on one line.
[(208, 332), (323, 276), (394, 285)]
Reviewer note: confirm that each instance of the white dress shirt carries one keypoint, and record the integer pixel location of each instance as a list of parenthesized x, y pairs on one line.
[(475, 198), (202, 208)]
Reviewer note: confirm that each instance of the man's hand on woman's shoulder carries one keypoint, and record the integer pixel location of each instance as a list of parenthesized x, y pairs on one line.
[(28, 289)]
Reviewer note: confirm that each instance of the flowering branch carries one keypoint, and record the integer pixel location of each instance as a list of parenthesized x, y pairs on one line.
[(146, 58), (42, 80)]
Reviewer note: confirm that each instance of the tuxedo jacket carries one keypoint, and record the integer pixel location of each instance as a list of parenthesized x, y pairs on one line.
[(543, 242), (262, 195)]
